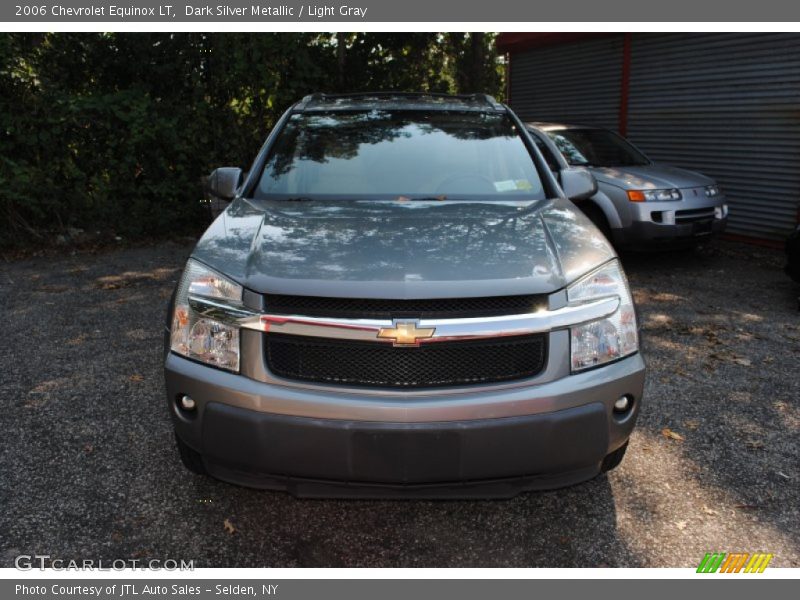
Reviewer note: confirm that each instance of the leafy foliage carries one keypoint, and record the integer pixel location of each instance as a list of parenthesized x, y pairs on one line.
[(115, 132)]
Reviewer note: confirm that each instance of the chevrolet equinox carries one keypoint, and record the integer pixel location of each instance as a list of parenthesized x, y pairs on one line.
[(401, 299)]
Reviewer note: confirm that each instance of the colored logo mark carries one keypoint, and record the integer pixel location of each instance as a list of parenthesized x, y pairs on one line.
[(736, 562)]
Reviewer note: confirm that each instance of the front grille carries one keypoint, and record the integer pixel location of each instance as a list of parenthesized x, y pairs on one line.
[(378, 308), (695, 214), (345, 362)]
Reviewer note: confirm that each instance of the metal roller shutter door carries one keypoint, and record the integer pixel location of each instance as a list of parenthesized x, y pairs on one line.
[(727, 105), (577, 82)]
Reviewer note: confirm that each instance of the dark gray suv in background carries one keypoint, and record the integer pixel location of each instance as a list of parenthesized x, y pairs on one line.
[(401, 300)]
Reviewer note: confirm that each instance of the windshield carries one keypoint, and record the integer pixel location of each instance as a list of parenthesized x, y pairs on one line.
[(387, 154), (596, 148)]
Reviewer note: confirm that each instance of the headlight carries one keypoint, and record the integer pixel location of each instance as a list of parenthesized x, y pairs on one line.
[(654, 195), (599, 342), (201, 338), (712, 190)]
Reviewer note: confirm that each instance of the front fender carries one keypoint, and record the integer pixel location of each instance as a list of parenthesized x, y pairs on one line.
[(604, 203)]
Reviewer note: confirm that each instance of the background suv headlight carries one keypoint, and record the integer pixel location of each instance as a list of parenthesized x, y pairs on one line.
[(654, 195), (599, 342), (198, 337), (712, 190)]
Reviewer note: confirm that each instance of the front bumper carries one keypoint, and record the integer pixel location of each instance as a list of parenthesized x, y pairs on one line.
[(649, 233), (685, 222), (472, 444)]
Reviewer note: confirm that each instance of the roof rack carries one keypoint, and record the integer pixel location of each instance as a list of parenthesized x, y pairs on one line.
[(322, 101)]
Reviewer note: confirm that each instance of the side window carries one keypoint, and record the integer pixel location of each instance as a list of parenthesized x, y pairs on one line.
[(570, 150), (548, 156)]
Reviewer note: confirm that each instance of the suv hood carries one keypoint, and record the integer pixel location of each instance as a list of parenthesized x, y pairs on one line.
[(413, 249), (655, 176)]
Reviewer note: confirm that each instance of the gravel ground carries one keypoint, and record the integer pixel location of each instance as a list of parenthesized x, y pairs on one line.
[(89, 469)]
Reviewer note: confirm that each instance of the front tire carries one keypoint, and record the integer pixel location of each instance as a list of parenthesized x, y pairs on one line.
[(612, 460), (190, 458)]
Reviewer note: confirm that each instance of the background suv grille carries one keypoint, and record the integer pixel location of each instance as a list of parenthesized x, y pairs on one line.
[(383, 365), (377, 308), (696, 214)]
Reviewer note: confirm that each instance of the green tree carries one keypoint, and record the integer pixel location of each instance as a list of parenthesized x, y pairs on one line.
[(114, 132)]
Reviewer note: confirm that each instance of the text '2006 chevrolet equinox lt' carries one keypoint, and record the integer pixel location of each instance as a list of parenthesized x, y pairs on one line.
[(401, 300)]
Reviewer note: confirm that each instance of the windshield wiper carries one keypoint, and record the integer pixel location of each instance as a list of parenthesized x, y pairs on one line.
[(297, 199), (439, 198)]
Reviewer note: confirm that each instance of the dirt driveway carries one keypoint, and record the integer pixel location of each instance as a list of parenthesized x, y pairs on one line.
[(89, 470)]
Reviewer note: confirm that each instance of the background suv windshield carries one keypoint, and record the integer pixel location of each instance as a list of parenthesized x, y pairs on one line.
[(596, 148), (391, 154)]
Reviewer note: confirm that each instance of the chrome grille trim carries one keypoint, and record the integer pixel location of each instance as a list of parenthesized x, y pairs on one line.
[(367, 329)]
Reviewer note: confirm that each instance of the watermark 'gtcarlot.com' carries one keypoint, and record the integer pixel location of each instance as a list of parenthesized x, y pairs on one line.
[(28, 562)]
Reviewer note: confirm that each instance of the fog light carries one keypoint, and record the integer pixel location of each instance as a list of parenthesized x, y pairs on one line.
[(188, 404), (622, 404)]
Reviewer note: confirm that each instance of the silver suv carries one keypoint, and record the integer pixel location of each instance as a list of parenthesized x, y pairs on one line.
[(639, 203), (401, 300)]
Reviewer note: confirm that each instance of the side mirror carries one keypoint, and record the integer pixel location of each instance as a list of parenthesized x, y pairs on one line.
[(578, 183), (224, 182)]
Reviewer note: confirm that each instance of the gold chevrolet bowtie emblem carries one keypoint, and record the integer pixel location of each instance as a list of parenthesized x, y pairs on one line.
[(406, 334)]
